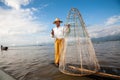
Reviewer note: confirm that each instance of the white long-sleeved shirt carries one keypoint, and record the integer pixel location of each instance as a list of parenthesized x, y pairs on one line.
[(58, 32)]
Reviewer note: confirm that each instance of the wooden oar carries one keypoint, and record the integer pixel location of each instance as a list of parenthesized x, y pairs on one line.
[(96, 73)]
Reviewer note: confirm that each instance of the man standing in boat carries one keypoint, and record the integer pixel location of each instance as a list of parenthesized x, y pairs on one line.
[(59, 32)]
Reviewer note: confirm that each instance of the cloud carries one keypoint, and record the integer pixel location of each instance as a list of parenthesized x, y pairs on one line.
[(112, 20), (20, 26), (106, 29), (102, 31), (16, 4), (18, 22), (43, 6)]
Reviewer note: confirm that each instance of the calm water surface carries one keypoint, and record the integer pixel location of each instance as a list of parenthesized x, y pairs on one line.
[(36, 62)]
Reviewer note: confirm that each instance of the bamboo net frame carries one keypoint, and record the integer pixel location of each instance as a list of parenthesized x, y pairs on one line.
[(78, 49)]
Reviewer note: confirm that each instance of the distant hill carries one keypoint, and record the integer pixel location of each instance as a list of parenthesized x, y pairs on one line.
[(103, 34), (107, 38)]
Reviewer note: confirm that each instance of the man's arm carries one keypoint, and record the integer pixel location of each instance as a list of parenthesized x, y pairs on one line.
[(67, 29), (52, 33)]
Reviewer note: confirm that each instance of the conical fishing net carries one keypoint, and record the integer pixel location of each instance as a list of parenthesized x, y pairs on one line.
[(78, 56)]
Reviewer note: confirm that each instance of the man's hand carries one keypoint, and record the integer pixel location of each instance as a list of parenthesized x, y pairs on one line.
[(52, 32), (68, 25), (67, 30)]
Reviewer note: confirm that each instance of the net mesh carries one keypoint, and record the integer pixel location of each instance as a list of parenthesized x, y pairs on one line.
[(78, 56)]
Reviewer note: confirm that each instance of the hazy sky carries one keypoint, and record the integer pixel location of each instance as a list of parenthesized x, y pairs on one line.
[(30, 21)]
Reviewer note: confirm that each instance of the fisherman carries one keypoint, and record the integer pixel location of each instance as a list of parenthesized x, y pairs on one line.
[(59, 32)]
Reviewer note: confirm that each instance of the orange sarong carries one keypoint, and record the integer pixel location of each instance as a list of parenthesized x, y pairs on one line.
[(59, 44)]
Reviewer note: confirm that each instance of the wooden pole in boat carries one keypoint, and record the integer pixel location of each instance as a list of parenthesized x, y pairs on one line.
[(96, 73)]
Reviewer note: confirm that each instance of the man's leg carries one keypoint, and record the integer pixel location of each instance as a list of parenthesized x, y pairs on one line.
[(57, 51), (61, 47)]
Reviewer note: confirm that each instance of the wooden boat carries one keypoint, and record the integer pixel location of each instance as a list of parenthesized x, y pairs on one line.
[(4, 48)]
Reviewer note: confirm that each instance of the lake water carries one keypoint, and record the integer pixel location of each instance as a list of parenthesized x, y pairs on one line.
[(36, 62)]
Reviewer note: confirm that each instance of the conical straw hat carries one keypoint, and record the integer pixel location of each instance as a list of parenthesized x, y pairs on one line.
[(57, 19)]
